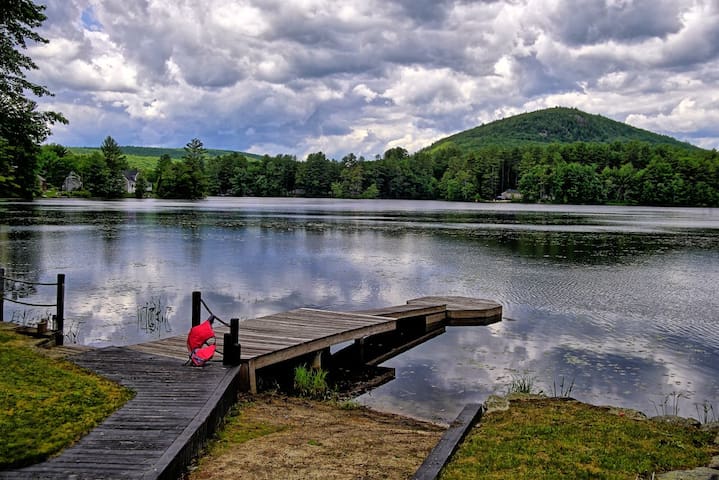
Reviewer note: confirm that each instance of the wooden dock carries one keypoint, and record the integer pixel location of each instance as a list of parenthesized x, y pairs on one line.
[(276, 338), (177, 407)]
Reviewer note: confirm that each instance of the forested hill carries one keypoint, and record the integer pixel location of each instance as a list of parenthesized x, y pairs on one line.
[(553, 125), (157, 152)]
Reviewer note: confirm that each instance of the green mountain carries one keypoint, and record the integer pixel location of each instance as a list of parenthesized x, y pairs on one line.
[(553, 125)]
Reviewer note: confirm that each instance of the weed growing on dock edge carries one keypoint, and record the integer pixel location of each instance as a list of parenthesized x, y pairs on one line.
[(311, 383)]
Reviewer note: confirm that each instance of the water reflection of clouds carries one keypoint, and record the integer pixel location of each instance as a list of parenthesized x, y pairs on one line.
[(594, 306)]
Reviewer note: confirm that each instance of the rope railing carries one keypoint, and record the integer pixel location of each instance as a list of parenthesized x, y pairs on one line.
[(19, 302), (59, 301), (17, 280)]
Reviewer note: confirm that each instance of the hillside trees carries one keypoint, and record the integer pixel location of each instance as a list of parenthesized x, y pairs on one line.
[(22, 126), (317, 174), (580, 173), (185, 179)]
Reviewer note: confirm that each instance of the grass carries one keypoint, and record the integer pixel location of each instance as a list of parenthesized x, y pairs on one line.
[(311, 382), (566, 439), (523, 384), (46, 404), (238, 429)]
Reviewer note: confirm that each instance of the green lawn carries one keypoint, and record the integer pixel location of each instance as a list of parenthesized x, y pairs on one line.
[(46, 404), (566, 439)]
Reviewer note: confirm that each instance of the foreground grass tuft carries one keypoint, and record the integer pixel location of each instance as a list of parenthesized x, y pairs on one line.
[(47, 404), (566, 439)]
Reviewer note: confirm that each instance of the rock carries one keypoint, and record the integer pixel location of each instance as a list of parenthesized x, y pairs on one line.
[(715, 462), (627, 412), (711, 427), (702, 473), (673, 419), (496, 403)]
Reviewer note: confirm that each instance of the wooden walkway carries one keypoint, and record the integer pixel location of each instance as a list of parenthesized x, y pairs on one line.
[(177, 407), (157, 433)]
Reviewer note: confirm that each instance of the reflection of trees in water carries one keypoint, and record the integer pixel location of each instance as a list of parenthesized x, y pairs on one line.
[(153, 316), (588, 248)]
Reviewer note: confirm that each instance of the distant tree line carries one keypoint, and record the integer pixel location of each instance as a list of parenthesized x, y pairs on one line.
[(632, 173)]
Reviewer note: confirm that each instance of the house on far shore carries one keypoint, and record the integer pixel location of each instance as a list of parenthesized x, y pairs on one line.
[(72, 182), (510, 194), (42, 183), (130, 177)]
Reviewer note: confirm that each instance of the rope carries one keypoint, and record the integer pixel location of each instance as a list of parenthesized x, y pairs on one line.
[(28, 283), (34, 304), (210, 312)]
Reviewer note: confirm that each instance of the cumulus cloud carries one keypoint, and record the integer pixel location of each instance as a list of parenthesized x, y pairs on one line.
[(270, 76)]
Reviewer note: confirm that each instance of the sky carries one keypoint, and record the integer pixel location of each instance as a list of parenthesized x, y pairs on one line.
[(284, 76)]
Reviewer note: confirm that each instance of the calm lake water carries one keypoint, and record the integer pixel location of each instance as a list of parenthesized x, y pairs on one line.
[(620, 300)]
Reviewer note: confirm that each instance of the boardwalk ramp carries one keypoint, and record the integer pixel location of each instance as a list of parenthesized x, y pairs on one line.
[(157, 433)]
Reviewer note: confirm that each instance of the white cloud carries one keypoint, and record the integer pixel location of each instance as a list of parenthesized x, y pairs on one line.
[(366, 76)]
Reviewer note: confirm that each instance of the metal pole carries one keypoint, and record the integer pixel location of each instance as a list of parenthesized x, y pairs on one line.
[(60, 318), (2, 294), (196, 308)]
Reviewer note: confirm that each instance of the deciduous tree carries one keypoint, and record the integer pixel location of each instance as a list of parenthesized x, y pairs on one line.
[(22, 126)]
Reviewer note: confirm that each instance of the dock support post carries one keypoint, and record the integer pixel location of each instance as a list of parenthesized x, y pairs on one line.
[(2, 294), (196, 308), (248, 379), (232, 350), (359, 345), (60, 313)]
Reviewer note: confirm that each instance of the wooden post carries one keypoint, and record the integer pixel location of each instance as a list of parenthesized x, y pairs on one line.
[(235, 330), (2, 294), (196, 308), (60, 315), (232, 350)]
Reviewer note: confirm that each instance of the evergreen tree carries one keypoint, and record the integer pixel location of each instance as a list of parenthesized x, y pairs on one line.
[(116, 166)]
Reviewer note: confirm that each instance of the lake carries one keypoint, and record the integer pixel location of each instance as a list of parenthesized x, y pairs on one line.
[(621, 301)]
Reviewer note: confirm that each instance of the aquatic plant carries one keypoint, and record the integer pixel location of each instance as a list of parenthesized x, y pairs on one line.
[(523, 384), (669, 404), (562, 390), (311, 382), (705, 412)]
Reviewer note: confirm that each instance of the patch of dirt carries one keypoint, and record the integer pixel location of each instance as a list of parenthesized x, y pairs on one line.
[(320, 440)]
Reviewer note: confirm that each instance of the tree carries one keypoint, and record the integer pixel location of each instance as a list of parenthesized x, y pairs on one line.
[(191, 179), (317, 174), (116, 164), (54, 163), (140, 186), (95, 175), (161, 171), (22, 127), (195, 154)]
